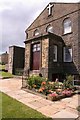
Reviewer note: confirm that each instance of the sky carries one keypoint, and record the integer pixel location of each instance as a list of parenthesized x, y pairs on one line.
[(16, 16)]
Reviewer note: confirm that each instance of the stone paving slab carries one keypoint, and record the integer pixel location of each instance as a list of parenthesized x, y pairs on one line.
[(48, 110), (26, 102), (47, 102), (73, 104), (67, 100), (37, 104), (65, 114), (72, 110)]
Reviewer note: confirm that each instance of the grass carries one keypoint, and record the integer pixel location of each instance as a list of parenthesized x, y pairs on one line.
[(5, 75), (2, 67), (0, 105), (11, 108)]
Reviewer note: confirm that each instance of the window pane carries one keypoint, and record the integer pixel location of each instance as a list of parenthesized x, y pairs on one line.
[(67, 54), (34, 46), (67, 30), (38, 49), (55, 53), (67, 26), (34, 49), (50, 29), (36, 32)]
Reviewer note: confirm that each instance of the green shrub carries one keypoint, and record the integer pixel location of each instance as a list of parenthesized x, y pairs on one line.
[(68, 83), (2, 63), (78, 108), (35, 80)]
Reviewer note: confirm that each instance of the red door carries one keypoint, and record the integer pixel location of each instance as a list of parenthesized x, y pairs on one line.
[(36, 56)]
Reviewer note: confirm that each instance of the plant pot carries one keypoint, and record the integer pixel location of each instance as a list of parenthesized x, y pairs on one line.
[(50, 98), (54, 98)]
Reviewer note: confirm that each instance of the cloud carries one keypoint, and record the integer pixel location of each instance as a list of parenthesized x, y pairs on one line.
[(15, 17)]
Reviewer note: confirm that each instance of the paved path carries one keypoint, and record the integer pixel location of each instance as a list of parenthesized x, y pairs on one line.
[(66, 108)]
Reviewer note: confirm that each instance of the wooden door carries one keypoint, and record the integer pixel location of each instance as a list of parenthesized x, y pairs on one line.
[(36, 56)]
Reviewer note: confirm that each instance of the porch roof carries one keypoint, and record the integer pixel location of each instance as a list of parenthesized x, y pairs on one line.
[(41, 36)]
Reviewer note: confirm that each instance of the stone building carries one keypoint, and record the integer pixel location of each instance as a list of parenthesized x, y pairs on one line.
[(16, 59), (4, 58), (52, 45)]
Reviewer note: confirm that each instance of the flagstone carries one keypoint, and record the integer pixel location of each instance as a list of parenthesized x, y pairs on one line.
[(46, 102), (48, 110), (72, 110), (73, 104), (67, 99), (65, 114), (37, 104)]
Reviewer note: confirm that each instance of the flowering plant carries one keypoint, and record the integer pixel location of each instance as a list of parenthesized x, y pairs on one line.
[(43, 83), (53, 94), (34, 86), (67, 92), (40, 90)]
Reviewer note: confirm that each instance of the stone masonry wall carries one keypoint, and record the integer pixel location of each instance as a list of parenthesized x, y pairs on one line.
[(27, 56), (45, 48), (10, 62)]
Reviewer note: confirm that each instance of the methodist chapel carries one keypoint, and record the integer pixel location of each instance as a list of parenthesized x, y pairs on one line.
[(52, 44)]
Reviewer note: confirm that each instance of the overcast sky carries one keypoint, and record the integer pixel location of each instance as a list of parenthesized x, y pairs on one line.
[(16, 16)]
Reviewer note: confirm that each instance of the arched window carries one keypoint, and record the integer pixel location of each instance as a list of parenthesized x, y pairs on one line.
[(67, 26), (49, 29), (36, 32)]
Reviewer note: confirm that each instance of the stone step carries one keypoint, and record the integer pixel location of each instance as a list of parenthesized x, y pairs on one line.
[(34, 72)]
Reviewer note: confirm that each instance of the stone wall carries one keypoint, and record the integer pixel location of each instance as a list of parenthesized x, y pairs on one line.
[(16, 59), (10, 62), (27, 56), (45, 54), (4, 58), (45, 48), (79, 40)]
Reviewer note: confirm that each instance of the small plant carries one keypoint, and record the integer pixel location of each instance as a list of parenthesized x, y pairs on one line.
[(78, 108), (68, 83), (67, 93), (35, 81)]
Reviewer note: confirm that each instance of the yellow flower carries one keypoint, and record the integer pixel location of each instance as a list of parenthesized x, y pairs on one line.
[(40, 90), (46, 79), (34, 86)]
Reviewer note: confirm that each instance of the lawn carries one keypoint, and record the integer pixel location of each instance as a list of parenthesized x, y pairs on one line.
[(11, 108), (5, 75), (2, 67)]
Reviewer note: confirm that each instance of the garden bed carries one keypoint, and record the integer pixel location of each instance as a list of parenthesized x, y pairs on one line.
[(50, 90)]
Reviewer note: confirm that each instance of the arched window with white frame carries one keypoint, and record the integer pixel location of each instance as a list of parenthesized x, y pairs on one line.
[(67, 26), (49, 29), (36, 32)]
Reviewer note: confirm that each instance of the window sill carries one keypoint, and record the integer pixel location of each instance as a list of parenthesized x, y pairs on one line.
[(67, 33), (68, 62)]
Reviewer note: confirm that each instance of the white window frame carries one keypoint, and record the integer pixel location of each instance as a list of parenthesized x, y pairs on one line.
[(55, 53), (49, 29), (68, 49), (67, 26), (36, 32)]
